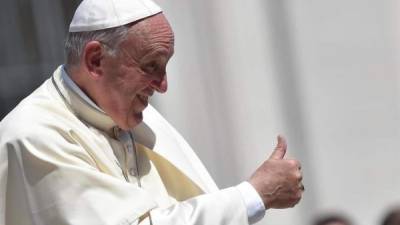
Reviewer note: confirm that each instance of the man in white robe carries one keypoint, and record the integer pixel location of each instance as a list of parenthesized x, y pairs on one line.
[(86, 148)]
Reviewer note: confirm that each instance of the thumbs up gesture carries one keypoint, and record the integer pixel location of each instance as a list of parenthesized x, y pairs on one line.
[(278, 180)]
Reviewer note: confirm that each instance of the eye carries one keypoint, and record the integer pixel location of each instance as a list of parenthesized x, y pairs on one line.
[(151, 67)]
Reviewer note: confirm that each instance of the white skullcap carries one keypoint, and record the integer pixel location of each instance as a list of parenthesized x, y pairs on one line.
[(102, 14)]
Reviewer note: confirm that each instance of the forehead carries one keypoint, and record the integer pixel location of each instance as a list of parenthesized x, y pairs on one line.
[(151, 35)]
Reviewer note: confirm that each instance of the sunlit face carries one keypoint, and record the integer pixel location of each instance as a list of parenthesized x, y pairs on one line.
[(139, 69)]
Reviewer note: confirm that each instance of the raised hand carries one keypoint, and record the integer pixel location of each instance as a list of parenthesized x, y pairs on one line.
[(278, 180)]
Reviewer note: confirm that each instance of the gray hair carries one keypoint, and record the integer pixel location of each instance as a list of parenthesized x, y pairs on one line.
[(76, 41)]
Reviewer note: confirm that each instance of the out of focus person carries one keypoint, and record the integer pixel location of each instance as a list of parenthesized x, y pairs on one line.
[(332, 219), (392, 217)]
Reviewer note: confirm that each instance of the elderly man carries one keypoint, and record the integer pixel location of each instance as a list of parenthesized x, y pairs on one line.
[(86, 148)]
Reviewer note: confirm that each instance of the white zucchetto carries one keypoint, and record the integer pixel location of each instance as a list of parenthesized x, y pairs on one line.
[(94, 15)]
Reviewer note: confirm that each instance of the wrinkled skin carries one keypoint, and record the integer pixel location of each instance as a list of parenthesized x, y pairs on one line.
[(122, 85), (278, 180)]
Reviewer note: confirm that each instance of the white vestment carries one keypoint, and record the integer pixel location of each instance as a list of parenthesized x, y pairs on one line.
[(61, 163)]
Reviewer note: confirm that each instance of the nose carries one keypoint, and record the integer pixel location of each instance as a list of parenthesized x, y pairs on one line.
[(160, 85)]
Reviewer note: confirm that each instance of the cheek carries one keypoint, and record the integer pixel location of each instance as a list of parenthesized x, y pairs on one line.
[(133, 80), (129, 90), (127, 95), (135, 86), (124, 85)]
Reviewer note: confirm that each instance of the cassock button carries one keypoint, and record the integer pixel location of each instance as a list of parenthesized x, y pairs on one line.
[(132, 172), (129, 149)]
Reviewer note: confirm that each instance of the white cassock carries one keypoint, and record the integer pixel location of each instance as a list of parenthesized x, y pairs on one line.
[(63, 161)]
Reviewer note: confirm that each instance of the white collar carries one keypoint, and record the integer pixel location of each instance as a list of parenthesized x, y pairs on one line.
[(79, 103), (71, 84)]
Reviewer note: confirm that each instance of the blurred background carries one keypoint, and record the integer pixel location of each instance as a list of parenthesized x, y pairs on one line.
[(323, 73)]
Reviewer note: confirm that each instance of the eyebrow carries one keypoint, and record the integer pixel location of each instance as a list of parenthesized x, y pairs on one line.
[(156, 55)]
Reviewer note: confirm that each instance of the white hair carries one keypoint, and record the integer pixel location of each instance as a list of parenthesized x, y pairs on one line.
[(76, 41)]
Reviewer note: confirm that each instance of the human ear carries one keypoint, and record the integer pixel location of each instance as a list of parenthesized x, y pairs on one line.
[(93, 56)]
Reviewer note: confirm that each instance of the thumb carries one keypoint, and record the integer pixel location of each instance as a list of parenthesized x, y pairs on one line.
[(280, 149)]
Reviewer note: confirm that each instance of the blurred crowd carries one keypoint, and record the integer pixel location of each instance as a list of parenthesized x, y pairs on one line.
[(391, 217)]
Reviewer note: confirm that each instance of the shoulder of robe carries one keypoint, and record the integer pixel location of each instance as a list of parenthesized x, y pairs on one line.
[(38, 116)]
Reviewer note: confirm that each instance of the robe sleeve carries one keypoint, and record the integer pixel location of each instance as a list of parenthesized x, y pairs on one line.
[(224, 207)]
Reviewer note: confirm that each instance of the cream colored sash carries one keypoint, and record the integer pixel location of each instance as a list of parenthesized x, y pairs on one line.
[(177, 184)]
